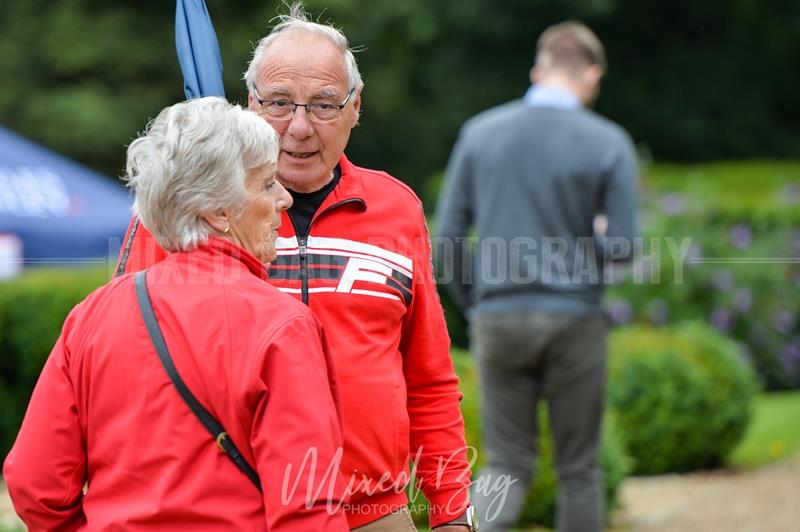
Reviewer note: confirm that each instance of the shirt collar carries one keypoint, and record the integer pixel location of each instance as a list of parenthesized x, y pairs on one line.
[(551, 96)]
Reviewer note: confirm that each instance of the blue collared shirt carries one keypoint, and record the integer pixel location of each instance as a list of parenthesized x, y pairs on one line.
[(550, 96)]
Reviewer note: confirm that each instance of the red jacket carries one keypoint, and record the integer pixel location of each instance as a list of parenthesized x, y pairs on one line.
[(365, 271), (105, 413)]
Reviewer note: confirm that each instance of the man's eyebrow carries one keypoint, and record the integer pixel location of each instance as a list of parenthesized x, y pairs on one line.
[(276, 91), (327, 92)]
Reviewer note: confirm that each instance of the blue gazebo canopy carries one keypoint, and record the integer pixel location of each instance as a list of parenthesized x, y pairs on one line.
[(62, 211)]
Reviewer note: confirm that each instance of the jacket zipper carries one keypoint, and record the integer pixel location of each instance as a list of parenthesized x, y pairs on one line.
[(303, 267), (302, 244)]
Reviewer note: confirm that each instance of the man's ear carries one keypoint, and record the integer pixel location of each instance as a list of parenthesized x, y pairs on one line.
[(535, 75), (593, 74), (218, 221), (252, 103), (357, 104)]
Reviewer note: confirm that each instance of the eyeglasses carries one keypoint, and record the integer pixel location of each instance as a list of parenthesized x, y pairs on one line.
[(284, 109)]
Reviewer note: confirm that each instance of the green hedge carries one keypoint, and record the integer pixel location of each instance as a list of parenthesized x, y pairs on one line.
[(681, 397), (32, 311), (540, 506)]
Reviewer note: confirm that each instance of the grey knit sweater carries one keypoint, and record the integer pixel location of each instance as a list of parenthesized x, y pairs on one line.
[(525, 183)]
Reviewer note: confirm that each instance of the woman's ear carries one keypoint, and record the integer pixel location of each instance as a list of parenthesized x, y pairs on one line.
[(218, 221)]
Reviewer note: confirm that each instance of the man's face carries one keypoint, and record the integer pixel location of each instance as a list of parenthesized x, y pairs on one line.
[(306, 68)]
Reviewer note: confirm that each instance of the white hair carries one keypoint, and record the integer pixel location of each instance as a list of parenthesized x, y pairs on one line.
[(297, 20), (193, 160)]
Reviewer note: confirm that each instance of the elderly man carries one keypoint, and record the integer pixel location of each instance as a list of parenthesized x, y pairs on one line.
[(355, 248), (530, 177)]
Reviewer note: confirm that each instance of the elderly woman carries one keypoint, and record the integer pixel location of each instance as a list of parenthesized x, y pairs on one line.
[(108, 443)]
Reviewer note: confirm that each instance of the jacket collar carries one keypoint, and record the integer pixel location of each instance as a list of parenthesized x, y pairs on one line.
[(350, 190), (350, 187), (221, 246)]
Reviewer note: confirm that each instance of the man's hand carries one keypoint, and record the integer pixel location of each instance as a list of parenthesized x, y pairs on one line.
[(451, 528)]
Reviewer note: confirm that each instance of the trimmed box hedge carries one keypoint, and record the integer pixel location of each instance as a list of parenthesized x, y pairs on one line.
[(681, 397)]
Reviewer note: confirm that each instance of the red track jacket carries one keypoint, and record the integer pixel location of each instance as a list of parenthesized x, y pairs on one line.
[(365, 271), (105, 413)]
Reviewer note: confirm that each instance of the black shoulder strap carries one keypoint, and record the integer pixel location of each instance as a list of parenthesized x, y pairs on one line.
[(212, 425)]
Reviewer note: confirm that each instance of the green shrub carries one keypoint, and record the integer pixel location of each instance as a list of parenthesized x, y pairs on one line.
[(681, 397), (541, 503), (32, 311)]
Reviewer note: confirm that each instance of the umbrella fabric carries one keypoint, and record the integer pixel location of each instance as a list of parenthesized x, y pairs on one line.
[(198, 50), (201, 65)]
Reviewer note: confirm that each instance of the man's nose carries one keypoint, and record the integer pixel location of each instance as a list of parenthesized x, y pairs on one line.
[(300, 126)]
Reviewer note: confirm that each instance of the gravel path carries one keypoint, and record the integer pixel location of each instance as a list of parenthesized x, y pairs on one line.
[(766, 500), (8, 519)]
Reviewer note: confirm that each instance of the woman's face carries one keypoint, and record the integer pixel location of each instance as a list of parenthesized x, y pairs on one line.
[(257, 227)]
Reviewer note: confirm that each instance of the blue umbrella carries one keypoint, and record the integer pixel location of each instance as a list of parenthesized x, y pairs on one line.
[(201, 65), (198, 50)]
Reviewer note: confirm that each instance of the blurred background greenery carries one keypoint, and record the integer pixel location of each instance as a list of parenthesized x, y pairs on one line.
[(695, 83), (690, 80)]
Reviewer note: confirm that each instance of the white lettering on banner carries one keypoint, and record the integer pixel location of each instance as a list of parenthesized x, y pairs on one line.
[(34, 192)]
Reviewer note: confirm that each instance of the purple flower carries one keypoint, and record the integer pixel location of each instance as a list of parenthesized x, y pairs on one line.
[(743, 300), (721, 319), (658, 311), (790, 355), (741, 236), (783, 321), (694, 252), (722, 280), (792, 192), (673, 204), (619, 311)]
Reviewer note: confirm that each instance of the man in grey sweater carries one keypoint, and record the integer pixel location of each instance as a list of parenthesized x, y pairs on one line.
[(549, 190)]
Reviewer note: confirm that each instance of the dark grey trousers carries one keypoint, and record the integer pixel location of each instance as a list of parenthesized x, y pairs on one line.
[(522, 358)]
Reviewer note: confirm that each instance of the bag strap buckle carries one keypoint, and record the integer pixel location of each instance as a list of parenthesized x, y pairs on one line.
[(220, 438)]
